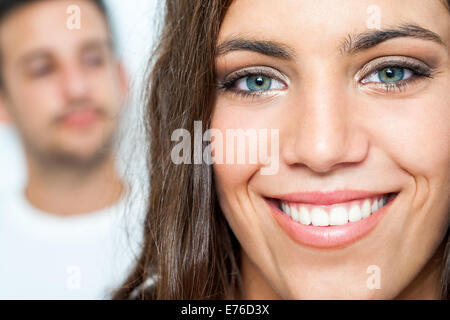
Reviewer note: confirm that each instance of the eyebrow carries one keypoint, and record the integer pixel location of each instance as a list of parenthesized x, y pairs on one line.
[(35, 55), (268, 48), (353, 43), (46, 54), (98, 44), (367, 40)]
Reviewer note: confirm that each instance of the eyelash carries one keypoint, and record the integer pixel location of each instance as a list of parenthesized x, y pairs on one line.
[(229, 82), (418, 71)]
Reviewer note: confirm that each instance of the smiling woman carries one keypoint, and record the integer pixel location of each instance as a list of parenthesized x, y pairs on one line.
[(363, 181)]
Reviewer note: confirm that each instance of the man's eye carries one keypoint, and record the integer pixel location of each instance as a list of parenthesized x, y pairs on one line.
[(258, 83), (93, 60), (389, 75), (41, 71)]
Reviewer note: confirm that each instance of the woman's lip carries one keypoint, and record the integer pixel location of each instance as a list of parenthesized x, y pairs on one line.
[(327, 237), (328, 198)]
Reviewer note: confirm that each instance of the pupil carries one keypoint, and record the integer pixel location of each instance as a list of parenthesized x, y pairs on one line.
[(390, 73), (259, 81)]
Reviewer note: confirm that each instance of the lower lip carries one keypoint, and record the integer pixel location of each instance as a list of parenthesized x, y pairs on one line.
[(330, 236), (80, 120)]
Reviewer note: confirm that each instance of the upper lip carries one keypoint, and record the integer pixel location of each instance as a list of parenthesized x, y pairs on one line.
[(79, 111), (328, 198)]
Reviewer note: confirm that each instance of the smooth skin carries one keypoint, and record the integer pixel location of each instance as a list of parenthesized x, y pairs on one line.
[(340, 129)]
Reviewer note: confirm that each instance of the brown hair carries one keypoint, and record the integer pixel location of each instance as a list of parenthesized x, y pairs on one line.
[(188, 248), (189, 251)]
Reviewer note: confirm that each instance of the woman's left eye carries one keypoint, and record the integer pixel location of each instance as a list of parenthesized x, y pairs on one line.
[(255, 83), (389, 75)]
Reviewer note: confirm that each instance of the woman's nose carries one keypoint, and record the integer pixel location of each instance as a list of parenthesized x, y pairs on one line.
[(324, 133)]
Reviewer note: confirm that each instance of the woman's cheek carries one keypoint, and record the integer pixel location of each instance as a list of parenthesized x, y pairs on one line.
[(415, 133), (233, 177), (417, 139), (240, 129)]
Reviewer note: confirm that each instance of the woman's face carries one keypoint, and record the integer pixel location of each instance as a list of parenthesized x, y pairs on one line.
[(360, 95)]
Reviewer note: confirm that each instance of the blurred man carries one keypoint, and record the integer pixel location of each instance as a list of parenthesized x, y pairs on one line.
[(63, 88)]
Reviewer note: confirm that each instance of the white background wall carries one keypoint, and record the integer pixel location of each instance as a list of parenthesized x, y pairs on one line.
[(133, 23)]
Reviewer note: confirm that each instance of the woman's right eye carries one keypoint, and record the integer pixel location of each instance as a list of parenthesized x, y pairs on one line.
[(258, 83), (254, 81)]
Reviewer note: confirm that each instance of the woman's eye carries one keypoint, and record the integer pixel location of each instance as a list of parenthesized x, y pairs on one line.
[(389, 75), (254, 83)]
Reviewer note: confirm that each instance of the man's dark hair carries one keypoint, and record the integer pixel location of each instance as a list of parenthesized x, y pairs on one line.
[(8, 6)]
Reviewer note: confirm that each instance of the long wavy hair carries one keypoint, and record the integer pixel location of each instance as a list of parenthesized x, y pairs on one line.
[(189, 250)]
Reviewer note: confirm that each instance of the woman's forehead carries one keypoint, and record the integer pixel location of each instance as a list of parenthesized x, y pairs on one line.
[(329, 22)]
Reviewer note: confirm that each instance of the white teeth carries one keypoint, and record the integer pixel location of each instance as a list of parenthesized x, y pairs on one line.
[(381, 203), (295, 214), (366, 209), (305, 218), (338, 216), (286, 208), (374, 206), (319, 217), (354, 214)]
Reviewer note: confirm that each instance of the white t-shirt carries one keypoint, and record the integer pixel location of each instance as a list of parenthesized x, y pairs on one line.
[(12, 160), (43, 256)]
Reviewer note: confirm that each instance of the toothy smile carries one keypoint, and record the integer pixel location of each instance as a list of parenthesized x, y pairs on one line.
[(335, 214)]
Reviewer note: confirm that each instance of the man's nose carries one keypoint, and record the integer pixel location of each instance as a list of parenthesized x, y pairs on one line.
[(75, 82), (325, 134)]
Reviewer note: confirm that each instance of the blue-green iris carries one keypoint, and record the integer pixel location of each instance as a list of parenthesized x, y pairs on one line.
[(389, 75), (259, 83)]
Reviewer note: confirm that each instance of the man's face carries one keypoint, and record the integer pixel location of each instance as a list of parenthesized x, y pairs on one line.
[(62, 87)]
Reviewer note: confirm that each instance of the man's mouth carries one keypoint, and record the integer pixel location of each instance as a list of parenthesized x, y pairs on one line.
[(80, 118)]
